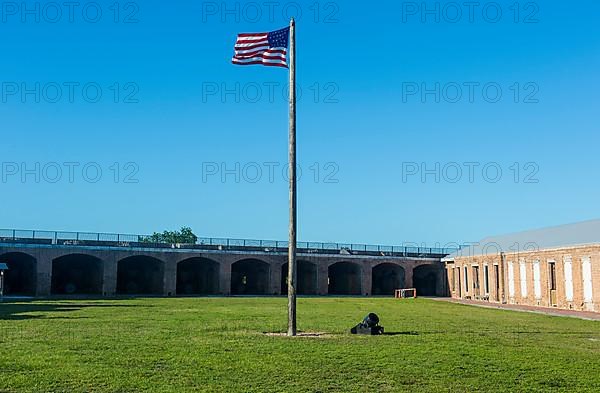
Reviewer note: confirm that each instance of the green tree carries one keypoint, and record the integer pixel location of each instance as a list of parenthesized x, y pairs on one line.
[(184, 236)]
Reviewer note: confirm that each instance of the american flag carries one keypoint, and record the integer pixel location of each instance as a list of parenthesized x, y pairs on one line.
[(268, 49)]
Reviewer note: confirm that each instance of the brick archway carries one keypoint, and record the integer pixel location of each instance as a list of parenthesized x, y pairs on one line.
[(250, 277), (197, 276), (77, 274), (345, 279), (307, 278), (21, 276), (426, 279), (386, 278), (140, 275)]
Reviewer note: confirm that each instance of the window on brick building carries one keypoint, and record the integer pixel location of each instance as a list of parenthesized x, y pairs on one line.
[(511, 279), (453, 279), (537, 285), (486, 279), (466, 279), (588, 290), (523, 277), (568, 266)]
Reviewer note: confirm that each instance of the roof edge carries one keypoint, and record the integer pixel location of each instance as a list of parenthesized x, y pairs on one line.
[(569, 247)]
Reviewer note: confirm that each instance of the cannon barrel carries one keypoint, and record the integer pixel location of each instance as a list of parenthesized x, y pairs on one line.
[(369, 325), (371, 320)]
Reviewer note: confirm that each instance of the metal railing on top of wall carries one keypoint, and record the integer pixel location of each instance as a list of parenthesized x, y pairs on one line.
[(125, 240)]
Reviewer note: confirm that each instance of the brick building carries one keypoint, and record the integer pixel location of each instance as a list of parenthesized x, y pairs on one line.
[(550, 267)]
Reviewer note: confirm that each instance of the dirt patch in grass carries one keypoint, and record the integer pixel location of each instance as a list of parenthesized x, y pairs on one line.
[(300, 334)]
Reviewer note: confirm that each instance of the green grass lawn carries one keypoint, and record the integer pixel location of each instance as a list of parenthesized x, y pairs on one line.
[(218, 345)]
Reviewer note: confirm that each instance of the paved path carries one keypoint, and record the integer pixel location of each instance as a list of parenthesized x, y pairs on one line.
[(592, 316)]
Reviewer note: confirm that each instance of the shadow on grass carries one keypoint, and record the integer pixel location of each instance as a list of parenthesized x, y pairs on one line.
[(21, 310), (400, 334)]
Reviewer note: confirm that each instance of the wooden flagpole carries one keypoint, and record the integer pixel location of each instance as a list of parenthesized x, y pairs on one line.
[(292, 271)]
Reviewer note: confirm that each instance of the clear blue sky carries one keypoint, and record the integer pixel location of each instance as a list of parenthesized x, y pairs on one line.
[(360, 59)]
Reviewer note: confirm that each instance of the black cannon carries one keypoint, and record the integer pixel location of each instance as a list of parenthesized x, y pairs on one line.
[(369, 325)]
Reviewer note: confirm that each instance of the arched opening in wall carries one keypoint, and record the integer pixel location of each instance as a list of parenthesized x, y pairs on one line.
[(250, 277), (426, 279), (140, 275), (20, 278), (77, 274), (307, 278), (344, 279), (386, 278), (197, 276)]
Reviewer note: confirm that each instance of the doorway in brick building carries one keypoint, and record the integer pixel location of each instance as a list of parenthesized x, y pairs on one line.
[(552, 286), (476, 286), (453, 272), (466, 273), (497, 283), (458, 282), (486, 281)]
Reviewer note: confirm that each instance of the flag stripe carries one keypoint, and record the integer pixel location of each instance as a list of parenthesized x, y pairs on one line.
[(251, 40), (250, 50), (272, 50), (256, 52), (261, 63), (263, 56), (260, 58), (253, 35), (252, 45)]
